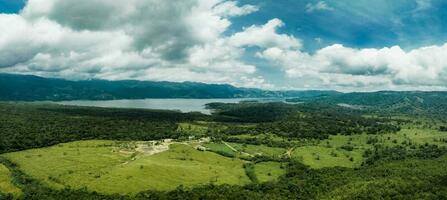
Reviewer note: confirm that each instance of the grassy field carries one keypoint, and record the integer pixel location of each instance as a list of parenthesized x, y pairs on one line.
[(269, 171), (221, 148), (105, 167), (320, 157), (259, 149), (6, 185), (193, 129), (246, 149), (129, 167), (338, 150), (272, 139), (412, 136), (332, 152)]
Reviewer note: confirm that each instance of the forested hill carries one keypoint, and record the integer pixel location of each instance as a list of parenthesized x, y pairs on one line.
[(411, 102), (32, 88)]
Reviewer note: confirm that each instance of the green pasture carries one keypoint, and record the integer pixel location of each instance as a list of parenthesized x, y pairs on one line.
[(6, 185), (102, 167), (269, 171)]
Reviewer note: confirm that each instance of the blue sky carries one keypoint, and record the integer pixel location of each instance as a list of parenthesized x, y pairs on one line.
[(11, 6), (275, 44), (359, 23)]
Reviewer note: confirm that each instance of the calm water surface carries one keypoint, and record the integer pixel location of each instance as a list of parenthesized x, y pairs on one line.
[(183, 105)]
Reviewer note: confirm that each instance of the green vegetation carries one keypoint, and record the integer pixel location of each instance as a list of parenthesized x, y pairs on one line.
[(319, 157), (193, 129), (107, 167), (6, 185), (33, 88), (25, 126), (349, 151), (259, 150), (222, 149), (310, 121), (246, 151), (249, 150), (428, 104), (269, 171), (427, 181)]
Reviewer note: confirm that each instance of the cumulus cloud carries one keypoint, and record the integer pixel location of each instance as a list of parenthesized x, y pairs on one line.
[(319, 6), (189, 41), (231, 9), (126, 39), (374, 69), (265, 36)]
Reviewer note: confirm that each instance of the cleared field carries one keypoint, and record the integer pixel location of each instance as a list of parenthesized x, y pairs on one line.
[(221, 148), (246, 149), (422, 136), (403, 137), (259, 149), (193, 128), (269, 171), (320, 157), (332, 152), (131, 167), (6, 185), (107, 167)]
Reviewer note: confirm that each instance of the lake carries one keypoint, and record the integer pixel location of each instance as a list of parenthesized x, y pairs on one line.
[(183, 105)]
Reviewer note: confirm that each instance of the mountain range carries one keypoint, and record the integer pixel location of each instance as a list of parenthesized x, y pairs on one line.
[(15, 87)]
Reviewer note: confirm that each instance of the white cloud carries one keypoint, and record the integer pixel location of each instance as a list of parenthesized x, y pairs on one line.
[(319, 6), (122, 39), (231, 9), (346, 68), (265, 36), (187, 41)]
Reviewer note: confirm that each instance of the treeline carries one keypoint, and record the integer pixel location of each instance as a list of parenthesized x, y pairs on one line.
[(260, 141), (250, 112), (25, 126)]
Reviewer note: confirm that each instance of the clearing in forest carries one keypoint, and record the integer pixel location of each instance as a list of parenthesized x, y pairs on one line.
[(127, 167), (6, 185)]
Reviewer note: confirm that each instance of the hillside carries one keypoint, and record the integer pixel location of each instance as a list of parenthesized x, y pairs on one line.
[(32, 88), (412, 102)]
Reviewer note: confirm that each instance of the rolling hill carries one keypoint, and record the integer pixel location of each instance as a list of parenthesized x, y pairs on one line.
[(407, 102)]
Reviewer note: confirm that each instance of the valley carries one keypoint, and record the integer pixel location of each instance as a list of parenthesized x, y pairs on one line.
[(239, 149)]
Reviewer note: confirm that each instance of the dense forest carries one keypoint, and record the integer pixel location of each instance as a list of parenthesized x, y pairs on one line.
[(25, 126)]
